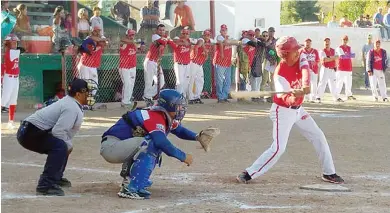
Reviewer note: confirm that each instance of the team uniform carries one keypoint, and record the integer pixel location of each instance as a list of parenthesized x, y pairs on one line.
[(286, 111), (327, 74), (151, 69), (140, 137), (127, 70), (196, 70), (181, 66), (377, 64), (313, 59), (50, 131), (249, 49), (89, 64), (10, 80), (344, 71)]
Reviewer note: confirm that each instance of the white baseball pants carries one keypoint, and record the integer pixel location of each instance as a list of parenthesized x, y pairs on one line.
[(327, 77), (182, 73), (255, 83), (150, 76), (114, 150), (196, 80), (283, 120), (313, 87), (89, 73), (10, 90), (344, 78), (378, 77), (128, 80)]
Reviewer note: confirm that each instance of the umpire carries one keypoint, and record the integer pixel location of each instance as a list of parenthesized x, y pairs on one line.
[(50, 131)]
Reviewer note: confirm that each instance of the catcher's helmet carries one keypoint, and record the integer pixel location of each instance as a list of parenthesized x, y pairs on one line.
[(172, 101), (285, 45)]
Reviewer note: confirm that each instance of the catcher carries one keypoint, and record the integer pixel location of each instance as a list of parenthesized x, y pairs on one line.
[(138, 139)]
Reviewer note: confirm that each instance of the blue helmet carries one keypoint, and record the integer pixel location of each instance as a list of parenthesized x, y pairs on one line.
[(172, 101)]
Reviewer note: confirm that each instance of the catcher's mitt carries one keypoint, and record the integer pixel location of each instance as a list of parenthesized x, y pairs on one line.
[(205, 136)]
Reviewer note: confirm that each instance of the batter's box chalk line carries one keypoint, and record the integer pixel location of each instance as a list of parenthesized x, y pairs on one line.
[(326, 188), (340, 116), (11, 196)]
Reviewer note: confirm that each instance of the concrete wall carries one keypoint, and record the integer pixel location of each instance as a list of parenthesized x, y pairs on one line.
[(357, 37)]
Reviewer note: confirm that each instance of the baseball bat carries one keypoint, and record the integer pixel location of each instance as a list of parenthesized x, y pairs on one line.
[(254, 94)]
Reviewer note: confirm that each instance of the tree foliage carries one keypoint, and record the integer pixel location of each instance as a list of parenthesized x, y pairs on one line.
[(288, 14), (296, 11)]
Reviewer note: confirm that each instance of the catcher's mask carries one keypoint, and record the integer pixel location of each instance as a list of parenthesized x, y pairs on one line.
[(92, 90), (172, 101)]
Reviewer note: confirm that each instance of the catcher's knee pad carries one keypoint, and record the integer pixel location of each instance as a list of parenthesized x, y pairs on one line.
[(141, 170)]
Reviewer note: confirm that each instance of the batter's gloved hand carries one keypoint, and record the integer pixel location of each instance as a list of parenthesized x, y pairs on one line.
[(205, 136)]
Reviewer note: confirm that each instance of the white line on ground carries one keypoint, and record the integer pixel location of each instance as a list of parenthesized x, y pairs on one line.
[(68, 168), (77, 136), (10, 196)]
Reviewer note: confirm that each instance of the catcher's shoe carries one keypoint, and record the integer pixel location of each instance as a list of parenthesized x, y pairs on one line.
[(64, 183), (332, 178), (131, 194), (244, 177)]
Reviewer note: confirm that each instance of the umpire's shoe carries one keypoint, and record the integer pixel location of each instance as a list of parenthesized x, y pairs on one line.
[(54, 190), (64, 183)]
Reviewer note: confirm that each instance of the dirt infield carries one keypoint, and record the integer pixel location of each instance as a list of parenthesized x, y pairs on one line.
[(357, 131)]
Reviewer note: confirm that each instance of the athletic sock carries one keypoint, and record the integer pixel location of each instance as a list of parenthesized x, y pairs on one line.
[(11, 112)]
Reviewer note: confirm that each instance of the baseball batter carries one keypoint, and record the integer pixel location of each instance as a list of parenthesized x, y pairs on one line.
[(11, 77), (182, 58), (291, 76), (329, 59), (377, 64), (152, 68), (344, 69), (199, 55), (128, 67), (313, 59)]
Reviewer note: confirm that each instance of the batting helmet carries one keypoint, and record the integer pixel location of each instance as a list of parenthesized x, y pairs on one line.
[(172, 101), (285, 45)]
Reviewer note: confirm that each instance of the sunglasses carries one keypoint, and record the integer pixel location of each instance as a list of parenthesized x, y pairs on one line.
[(185, 33)]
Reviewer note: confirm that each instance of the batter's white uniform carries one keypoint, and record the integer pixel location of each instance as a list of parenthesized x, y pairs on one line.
[(327, 74), (11, 78), (284, 113)]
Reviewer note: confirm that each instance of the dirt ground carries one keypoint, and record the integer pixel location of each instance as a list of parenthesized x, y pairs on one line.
[(357, 131)]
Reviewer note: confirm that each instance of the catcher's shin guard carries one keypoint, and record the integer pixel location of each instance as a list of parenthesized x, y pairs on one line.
[(141, 170)]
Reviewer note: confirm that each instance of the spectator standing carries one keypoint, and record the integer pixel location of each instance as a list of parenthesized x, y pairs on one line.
[(258, 33), (377, 63), (366, 48), (257, 64), (344, 69), (333, 23), (183, 16), (367, 22), (68, 24), (83, 24), (313, 59), (127, 67), (386, 23), (150, 20), (96, 20), (4, 6), (22, 26), (270, 62), (378, 22), (344, 22), (60, 37), (222, 61), (121, 10)]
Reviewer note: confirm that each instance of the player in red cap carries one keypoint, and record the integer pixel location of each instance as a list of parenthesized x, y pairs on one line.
[(313, 58), (344, 69), (199, 55), (377, 64), (127, 66), (11, 78), (291, 77)]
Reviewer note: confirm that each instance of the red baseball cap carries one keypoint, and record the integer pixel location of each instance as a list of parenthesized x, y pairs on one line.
[(327, 39), (308, 39), (207, 32), (377, 40), (130, 32), (251, 32), (345, 37), (224, 27)]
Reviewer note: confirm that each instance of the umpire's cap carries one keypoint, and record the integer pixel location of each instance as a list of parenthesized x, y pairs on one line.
[(78, 85)]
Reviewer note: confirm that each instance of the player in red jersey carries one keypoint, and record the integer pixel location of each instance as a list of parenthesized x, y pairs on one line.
[(11, 77), (291, 76), (313, 59)]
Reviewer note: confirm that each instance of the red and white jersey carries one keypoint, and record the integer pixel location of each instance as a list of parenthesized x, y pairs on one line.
[(328, 53), (345, 64), (156, 121), (312, 57), (11, 62), (287, 78), (181, 53), (156, 48), (377, 65), (127, 56), (94, 59), (227, 53), (250, 51), (203, 53)]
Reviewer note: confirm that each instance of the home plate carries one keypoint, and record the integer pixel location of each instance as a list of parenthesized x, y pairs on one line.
[(326, 188)]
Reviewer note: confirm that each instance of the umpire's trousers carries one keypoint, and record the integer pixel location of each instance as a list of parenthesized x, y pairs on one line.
[(43, 142)]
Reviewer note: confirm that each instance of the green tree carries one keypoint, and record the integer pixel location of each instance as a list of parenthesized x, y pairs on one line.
[(307, 10), (352, 9), (288, 13)]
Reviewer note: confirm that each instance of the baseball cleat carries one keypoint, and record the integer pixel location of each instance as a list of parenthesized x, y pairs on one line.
[(351, 98), (126, 193), (244, 177), (385, 100), (332, 178), (339, 100), (64, 183), (376, 99), (198, 101), (192, 102), (4, 109), (54, 190)]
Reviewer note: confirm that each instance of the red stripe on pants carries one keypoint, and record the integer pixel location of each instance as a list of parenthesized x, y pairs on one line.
[(277, 141)]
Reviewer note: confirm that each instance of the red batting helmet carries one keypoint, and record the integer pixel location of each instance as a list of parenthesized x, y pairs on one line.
[(285, 45)]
